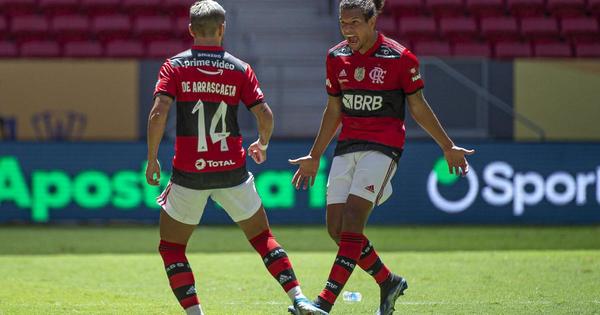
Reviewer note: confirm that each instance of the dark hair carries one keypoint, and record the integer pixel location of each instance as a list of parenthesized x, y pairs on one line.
[(206, 16), (369, 8)]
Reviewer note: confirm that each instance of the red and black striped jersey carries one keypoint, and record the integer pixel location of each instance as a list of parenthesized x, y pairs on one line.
[(208, 84), (373, 87)]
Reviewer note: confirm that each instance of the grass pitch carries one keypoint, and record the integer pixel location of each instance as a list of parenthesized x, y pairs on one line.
[(451, 270)]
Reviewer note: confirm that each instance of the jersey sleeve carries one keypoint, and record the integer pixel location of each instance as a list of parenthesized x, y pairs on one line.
[(331, 83), (251, 94), (167, 83), (410, 75)]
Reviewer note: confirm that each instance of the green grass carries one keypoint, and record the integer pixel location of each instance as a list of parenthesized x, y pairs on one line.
[(451, 270)]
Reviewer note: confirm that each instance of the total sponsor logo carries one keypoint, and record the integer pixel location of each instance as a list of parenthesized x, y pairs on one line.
[(202, 163), (500, 185)]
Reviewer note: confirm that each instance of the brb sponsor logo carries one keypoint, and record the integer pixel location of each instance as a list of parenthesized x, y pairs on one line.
[(362, 102), (500, 185)]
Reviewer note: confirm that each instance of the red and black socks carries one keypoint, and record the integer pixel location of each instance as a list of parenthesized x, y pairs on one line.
[(181, 278), (348, 254), (276, 261), (371, 263)]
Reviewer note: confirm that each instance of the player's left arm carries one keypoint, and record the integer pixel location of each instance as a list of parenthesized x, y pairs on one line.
[(424, 116), (157, 121), (264, 120)]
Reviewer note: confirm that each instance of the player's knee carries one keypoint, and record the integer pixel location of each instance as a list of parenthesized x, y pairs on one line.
[(334, 233)]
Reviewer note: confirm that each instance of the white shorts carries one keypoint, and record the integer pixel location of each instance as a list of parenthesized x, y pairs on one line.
[(366, 174), (187, 205)]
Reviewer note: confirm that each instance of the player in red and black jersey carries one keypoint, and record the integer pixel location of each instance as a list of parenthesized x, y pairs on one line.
[(370, 78), (208, 84)]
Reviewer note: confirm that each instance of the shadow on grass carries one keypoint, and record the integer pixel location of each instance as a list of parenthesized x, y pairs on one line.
[(43, 240)]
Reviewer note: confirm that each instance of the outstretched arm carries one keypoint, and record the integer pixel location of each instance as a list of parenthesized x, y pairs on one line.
[(264, 119), (424, 116), (157, 121), (309, 165)]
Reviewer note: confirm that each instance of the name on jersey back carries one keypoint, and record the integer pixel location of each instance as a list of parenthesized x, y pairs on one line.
[(208, 87)]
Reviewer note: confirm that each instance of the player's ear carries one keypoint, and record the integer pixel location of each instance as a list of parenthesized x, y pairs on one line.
[(372, 22), (190, 30), (221, 31)]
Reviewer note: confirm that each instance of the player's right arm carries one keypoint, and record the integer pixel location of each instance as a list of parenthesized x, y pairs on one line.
[(309, 165), (157, 122)]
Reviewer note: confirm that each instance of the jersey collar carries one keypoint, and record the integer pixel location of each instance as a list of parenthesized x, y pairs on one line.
[(208, 48), (375, 46)]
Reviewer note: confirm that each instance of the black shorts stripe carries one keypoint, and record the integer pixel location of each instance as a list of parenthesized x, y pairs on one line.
[(385, 181)]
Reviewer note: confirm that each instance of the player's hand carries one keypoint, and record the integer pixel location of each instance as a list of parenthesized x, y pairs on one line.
[(306, 173), (255, 152), (153, 172), (457, 162)]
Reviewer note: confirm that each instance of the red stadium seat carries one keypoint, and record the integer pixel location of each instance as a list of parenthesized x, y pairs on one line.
[(594, 7), (54, 7), (152, 27), (580, 29), (500, 28), (111, 26), (446, 8), (98, 7), (83, 49), (553, 50), (432, 48), (387, 24), (125, 49), (8, 49), (526, 7), (29, 27), (512, 50), (405, 7), (458, 29), (587, 50), (419, 28), (486, 8), (18, 7), (566, 8), (473, 49), (178, 7), (540, 29), (181, 27), (3, 27), (41, 48), (70, 27), (142, 7), (165, 48)]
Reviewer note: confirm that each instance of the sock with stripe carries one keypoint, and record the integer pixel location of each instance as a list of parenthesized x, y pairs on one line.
[(371, 263), (181, 278), (276, 261), (348, 254)]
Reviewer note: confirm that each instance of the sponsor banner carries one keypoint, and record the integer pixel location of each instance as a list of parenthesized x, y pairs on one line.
[(508, 184), (69, 100)]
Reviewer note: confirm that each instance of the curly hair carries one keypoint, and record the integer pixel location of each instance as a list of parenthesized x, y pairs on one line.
[(369, 8)]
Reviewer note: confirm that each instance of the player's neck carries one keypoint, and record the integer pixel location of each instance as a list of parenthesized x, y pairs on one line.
[(207, 41), (366, 47)]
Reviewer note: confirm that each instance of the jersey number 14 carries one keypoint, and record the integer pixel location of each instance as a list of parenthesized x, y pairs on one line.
[(214, 135)]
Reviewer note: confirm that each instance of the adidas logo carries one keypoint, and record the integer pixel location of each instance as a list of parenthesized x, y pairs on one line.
[(342, 73), (191, 290), (370, 188)]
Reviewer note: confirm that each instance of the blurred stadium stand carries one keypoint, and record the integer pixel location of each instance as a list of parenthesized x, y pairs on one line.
[(286, 43)]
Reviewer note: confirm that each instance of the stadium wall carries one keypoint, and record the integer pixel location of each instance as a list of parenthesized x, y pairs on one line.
[(524, 183), (69, 100)]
